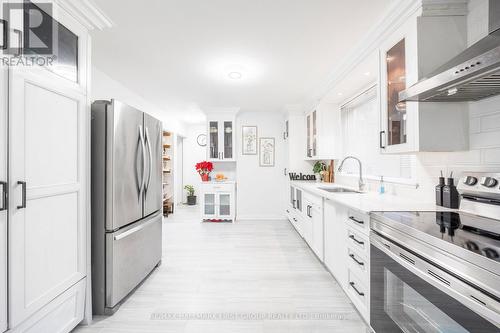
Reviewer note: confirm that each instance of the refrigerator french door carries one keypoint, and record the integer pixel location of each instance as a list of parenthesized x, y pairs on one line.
[(126, 197)]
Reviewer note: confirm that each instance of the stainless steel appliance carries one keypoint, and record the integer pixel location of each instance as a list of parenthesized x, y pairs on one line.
[(439, 271), (126, 201), (472, 75)]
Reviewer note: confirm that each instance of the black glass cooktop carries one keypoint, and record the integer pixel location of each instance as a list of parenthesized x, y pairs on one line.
[(477, 234)]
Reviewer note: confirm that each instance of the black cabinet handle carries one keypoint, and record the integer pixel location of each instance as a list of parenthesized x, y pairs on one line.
[(287, 211), (23, 202), (360, 263), (353, 285), (357, 241), (381, 145), (352, 218), (4, 196), (5, 25), (19, 34)]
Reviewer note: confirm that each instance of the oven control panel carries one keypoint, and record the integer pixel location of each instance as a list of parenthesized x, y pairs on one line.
[(480, 184)]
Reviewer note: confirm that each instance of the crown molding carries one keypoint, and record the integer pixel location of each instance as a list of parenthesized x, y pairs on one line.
[(87, 13), (396, 15)]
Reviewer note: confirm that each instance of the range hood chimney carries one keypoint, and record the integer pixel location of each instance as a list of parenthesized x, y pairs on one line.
[(472, 75)]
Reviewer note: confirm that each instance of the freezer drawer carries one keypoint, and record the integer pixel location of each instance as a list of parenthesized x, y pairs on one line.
[(131, 254)]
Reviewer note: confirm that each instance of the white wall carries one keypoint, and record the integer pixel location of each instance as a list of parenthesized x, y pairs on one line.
[(260, 189), (193, 153), (105, 87)]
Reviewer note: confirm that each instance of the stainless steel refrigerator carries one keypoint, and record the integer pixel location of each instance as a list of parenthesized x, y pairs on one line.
[(126, 201)]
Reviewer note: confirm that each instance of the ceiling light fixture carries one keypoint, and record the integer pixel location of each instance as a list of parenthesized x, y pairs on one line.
[(339, 94), (367, 73), (235, 75)]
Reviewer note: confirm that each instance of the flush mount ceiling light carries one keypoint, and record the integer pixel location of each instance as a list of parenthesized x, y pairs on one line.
[(235, 75), (367, 73)]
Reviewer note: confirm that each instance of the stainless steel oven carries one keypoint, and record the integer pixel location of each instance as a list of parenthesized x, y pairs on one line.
[(427, 289)]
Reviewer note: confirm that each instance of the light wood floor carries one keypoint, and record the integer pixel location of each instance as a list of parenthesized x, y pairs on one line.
[(253, 270)]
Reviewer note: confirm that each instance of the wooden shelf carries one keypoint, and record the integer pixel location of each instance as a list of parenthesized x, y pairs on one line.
[(166, 145), (166, 158)]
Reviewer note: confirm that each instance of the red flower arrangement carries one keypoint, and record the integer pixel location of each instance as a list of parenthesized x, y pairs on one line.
[(204, 168)]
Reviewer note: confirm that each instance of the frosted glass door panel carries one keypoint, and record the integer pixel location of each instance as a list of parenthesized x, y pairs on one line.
[(209, 204), (224, 204)]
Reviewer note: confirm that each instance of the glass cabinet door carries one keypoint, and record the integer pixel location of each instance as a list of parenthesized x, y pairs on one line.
[(298, 199), (213, 128), (314, 133), (308, 124), (396, 82), (228, 140), (292, 196), (224, 204), (209, 204)]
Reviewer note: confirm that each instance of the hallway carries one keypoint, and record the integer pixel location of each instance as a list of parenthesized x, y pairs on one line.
[(251, 276)]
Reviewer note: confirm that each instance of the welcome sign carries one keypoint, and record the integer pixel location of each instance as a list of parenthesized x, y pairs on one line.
[(300, 176)]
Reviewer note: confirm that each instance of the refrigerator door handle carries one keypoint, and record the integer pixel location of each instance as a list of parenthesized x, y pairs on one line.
[(143, 148), (148, 141), (134, 230)]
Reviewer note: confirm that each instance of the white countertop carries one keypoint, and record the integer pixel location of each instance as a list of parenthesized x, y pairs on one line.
[(368, 201), (211, 182)]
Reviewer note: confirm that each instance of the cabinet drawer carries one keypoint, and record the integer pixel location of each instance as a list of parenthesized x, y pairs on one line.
[(218, 187), (358, 293), (359, 221), (358, 242), (359, 265)]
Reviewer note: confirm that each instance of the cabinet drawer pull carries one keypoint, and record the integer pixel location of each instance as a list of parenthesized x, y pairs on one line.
[(360, 263), (357, 241), (23, 200), (352, 218), (353, 285), (5, 25), (295, 219), (4, 196), (287, 211)]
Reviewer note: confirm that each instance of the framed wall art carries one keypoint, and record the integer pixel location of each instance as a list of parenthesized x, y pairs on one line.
[(249, 140), (266, 152)]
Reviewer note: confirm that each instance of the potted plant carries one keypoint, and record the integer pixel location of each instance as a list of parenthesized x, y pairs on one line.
[(191, 198), (204, 168), (318, 167)]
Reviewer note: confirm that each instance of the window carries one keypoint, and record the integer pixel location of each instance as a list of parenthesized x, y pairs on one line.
[(360, 138)]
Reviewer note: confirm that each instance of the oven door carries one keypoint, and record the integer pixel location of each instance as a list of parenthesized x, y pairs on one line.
[(402, 299)]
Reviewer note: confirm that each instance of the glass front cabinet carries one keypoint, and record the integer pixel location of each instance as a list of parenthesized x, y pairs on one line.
[(312, 134), (218, 201), (409, 54), (221, 138)]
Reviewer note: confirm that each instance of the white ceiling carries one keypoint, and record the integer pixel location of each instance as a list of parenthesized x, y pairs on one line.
[(177, 53)]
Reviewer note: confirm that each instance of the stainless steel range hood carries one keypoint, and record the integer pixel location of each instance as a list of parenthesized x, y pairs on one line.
[(472, 75)]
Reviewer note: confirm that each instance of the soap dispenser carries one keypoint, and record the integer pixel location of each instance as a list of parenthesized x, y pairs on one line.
[(381, 188)]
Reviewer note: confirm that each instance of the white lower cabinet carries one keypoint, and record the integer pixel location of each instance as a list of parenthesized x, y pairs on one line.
[(313, 234), (335, 242), (347, 254), (218, 201)]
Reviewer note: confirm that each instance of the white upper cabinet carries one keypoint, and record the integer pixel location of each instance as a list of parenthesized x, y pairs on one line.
[(221, 140), (320, 128), (417, 48)]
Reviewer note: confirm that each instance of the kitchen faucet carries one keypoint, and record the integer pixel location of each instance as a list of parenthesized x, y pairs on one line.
[(361, 182)]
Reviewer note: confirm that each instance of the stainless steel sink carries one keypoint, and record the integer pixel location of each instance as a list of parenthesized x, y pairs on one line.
[(338, 190)]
